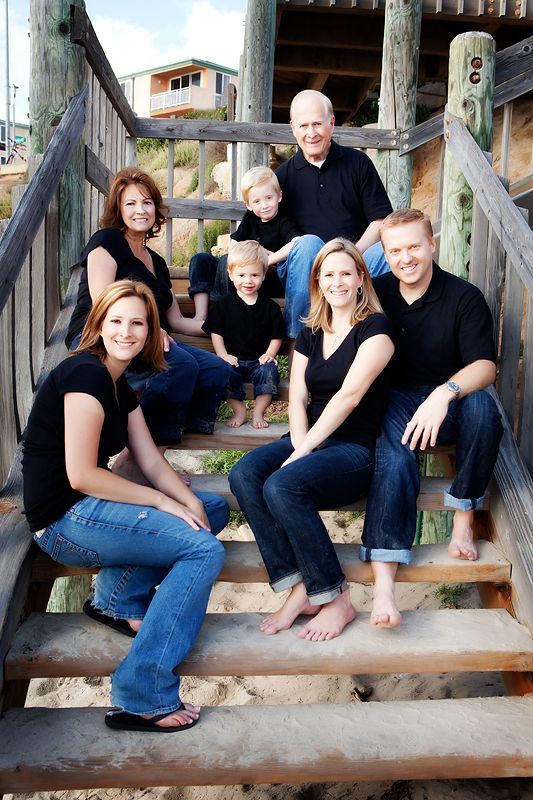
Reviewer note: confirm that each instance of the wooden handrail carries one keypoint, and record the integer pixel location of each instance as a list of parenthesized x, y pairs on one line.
[(25, 222), (506, 220), (84, 35), (261, 132)]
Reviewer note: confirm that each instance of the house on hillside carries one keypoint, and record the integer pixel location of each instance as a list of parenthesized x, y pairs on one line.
[(174, 89)]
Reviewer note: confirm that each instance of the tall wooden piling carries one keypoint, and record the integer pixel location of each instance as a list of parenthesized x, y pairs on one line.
[(470, 97), (256, 76), (397, 98), (58, 73)]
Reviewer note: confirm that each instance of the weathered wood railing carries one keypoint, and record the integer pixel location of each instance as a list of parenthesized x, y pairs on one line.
[(501, 266)]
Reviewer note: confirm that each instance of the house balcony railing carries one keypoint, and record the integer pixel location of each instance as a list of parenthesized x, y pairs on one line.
[(172, 99)]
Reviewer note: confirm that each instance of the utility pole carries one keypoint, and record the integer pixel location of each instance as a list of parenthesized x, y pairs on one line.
[(8, 87)]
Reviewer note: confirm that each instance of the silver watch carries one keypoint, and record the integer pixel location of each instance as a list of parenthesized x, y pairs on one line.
[(454, 388)]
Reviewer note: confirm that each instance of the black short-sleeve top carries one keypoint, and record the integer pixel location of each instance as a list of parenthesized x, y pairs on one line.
[(47, 491), (247, 330), (340, 198), (272, 234), (128, 266), (324, 378), (446, 329)]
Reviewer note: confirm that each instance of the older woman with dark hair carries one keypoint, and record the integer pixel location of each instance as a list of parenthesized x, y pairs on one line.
[(336, 400), (138, 537), (189, 392)]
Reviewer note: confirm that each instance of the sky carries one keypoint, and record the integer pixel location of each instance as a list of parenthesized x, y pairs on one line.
[(135, 35)]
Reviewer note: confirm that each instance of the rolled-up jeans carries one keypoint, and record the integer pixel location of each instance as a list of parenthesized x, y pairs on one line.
[(209, 274), (137, 549), (473, 423), (264, 377), (282, 505)]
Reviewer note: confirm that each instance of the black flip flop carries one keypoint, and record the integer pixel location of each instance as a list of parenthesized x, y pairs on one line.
[(120, 625), (124, 721)]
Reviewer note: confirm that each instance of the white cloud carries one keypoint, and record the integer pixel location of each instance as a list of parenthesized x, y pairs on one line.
[(213, 35), (129, 47)]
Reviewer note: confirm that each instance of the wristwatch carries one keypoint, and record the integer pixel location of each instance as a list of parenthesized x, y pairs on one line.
[(454, 388)]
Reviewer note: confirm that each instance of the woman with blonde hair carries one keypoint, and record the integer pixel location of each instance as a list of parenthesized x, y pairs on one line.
[(336, 399), (139, 537)]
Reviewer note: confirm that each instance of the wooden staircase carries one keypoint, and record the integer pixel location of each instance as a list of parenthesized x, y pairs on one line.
[(53, 749)]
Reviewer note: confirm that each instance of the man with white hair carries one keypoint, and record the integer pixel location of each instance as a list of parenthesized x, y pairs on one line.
[(328, 190)]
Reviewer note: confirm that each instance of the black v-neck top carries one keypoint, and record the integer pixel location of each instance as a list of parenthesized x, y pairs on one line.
[(47, 490), (128, 266), (324, 378)]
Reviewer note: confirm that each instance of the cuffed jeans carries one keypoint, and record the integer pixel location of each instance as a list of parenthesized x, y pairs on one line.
[(282, 505), (473, 423), (138, 548), (264, 377), (208, 274)]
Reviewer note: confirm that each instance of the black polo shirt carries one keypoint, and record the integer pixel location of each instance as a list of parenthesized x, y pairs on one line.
[(272, 234), (340, 198), (446, 329)]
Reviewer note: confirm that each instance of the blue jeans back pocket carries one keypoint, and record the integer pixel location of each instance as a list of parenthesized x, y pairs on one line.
[(60, 549)]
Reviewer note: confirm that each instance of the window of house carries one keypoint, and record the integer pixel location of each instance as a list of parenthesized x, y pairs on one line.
[(221, 89), (184, 81), (127, 88)]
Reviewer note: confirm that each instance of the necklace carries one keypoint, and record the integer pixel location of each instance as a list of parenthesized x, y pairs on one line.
[(336, 338)]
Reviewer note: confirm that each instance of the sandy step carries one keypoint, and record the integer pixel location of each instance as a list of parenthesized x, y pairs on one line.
[(429, 641), (54, 749), (247, 438), (430, 564)]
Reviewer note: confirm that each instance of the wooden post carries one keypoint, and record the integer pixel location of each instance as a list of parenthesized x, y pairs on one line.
[(397, 100), (58, 72), (257, 75), (470, 97)]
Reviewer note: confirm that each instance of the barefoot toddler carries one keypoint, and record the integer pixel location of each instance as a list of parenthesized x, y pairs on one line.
[(247, 331)]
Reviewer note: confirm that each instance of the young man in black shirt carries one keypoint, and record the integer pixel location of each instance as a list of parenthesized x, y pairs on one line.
[(444, 359)]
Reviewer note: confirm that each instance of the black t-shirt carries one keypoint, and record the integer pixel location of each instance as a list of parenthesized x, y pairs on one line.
[(247, 330), (340, 198), (47, 491), (128, 266), (324, 377), (272, 235), (446, 329)]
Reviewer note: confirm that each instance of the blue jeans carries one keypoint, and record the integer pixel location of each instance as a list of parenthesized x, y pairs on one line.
[(375, 260), (209, 274), (282, 505), (138, 548), (265, 379), (473, 424)]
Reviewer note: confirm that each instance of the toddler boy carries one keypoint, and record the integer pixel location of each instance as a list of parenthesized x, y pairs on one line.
[(262, 223), (247, 331)]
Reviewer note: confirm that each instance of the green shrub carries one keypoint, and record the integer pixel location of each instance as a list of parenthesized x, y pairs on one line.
[(283, 366), (6, 207), (449, 596), (220, 462), (193, 185), (212, 230)]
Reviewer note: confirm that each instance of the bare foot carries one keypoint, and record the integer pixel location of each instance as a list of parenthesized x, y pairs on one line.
[(385, 612), (126, 466), (135, 624), (330, 621), (462, 542), (184, 716), (296, 603), (237, 420), (259, 422), (185, 477)]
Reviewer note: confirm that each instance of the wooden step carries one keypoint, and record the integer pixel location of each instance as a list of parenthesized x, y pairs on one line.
[(248, 438), (431, 564), (430, 497), (204, 342), (429, 641), (70, 748)]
